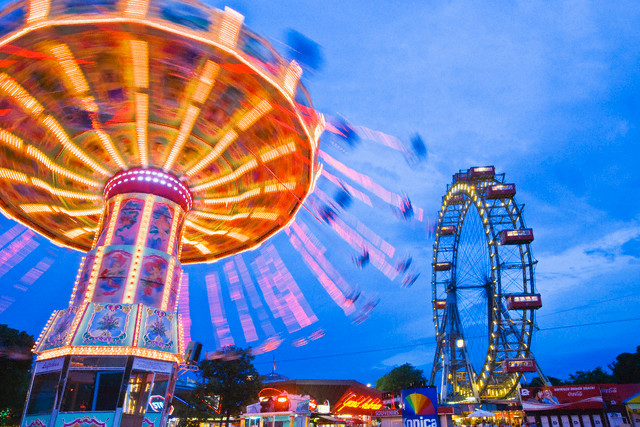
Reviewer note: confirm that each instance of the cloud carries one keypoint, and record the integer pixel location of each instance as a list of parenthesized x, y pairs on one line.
[(420, 357), (579, 264)]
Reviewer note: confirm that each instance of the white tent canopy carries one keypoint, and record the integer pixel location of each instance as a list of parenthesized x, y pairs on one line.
[(480, 413)]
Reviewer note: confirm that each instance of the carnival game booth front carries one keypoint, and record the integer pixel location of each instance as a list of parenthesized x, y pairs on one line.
[(589, 405)]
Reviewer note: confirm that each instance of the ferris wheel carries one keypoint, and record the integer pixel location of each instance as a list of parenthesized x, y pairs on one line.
[(484, 296)]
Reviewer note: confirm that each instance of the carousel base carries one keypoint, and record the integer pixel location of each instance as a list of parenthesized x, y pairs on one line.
[(100, 391)]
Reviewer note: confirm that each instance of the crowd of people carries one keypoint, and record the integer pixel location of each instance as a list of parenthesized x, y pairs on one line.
[(481, 423)]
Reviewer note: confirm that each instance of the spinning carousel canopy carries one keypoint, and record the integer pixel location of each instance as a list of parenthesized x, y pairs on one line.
[(92, 88)]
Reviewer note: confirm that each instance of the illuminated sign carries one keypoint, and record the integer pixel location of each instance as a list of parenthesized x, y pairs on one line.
[(156, 403), (355, 401), (313, 405)]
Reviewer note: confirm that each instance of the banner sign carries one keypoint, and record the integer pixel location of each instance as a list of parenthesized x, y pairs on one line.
[(616, 394), (561, 397), (420, 407)]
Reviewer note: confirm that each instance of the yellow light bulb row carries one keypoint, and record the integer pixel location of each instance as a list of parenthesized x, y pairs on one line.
[(75, 285), (233, 199), (250, 165), (17, 143), (39, 208), (70, 68), (142, 111), (268, 156), (79, 314), (64, 193), (140, 63), (243, 124), (186, 126), (10, 139), (49, 164), (180, 328), (201, 93), (17, 92), (222, 145), (291, 77), (96, 236), (79, 84), (253, 115), (230, 27), (112, 221), (229, 233), (278, 152), (317, 132), (136, 8), (269, 188), (12, 175), (205, 82), (134, 271), (55, 128), (274, 188), (38, 10), (136, 333), (167, 284), (76, 232), (177, 213), (109, 351), (219, 217), (44, 330), (93, 276)]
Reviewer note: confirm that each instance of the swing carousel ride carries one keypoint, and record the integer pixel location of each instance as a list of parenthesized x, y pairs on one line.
[(150, 135)]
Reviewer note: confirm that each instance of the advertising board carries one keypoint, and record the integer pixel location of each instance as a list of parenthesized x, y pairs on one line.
[(561, 397), (420, 407)]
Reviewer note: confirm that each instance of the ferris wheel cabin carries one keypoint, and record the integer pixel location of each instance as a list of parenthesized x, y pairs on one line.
[(516, 237), (441, 266), (447, 230), (481, 172), (440, 304), (527, 364), (523, 301), (500, 191)]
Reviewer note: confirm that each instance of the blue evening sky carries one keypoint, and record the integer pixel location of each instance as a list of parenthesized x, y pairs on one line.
[(548, 92)]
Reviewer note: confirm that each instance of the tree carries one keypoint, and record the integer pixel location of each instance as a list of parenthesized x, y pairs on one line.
[(626, 368), (231, 376), (594, 376), (405, 376), (15, 364), (537, 382)]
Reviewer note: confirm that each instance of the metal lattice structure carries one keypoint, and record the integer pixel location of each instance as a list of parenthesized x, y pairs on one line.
[(482, 262)]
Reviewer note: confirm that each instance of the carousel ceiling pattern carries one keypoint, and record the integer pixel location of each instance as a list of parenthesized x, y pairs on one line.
[(88, 89)]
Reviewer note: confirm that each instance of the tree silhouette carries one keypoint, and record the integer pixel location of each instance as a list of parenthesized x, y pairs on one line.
[(626, 368), (593, 376), (15, 363), (402, 377), (229, 379)]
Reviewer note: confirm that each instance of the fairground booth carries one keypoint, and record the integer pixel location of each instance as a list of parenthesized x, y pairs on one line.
[(589, 405), (301, 403)]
